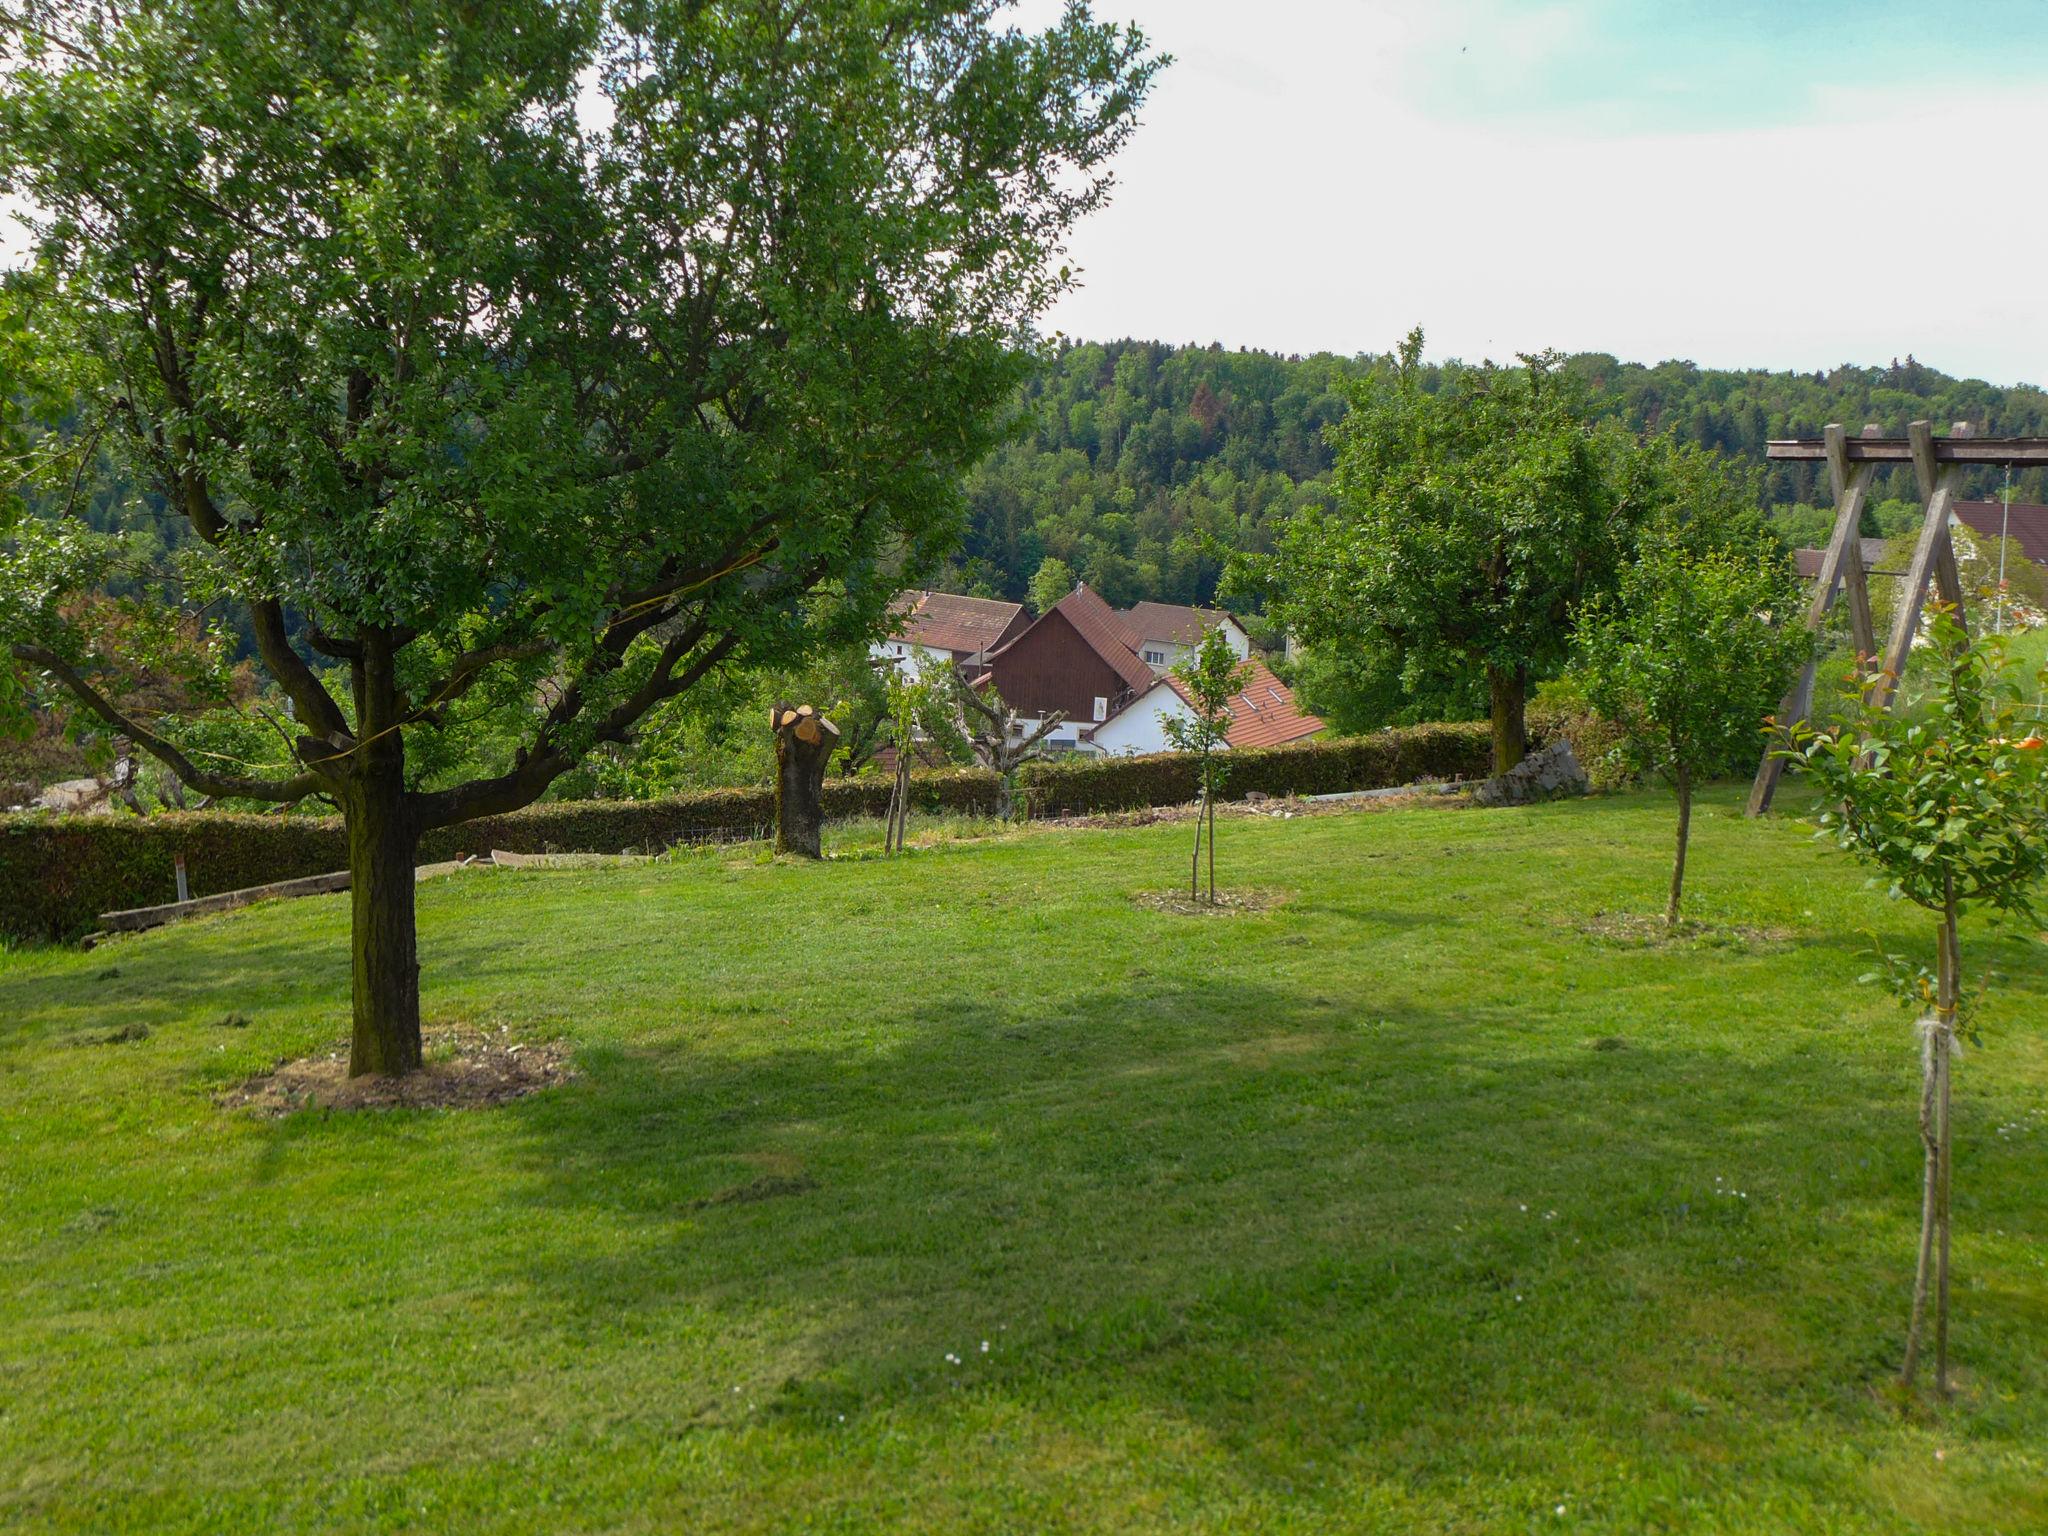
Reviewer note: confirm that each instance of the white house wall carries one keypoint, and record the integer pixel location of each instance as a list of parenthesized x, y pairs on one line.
[(918, 659), (1140, 726)]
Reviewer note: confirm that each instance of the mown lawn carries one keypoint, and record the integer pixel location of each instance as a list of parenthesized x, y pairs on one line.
[(1407, 1207)]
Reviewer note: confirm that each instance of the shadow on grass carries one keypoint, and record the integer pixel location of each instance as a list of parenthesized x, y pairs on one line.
[(1312, 1237)]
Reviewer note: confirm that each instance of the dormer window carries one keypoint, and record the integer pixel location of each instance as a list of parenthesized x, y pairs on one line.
[(1155, 658)]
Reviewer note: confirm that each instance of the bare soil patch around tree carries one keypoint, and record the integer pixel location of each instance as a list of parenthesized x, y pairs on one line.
[(1239, 902), (1647, 930), (467, 1067), (1268, 808)]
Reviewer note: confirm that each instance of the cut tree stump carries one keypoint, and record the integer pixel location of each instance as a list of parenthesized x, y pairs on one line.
[(804, 743)]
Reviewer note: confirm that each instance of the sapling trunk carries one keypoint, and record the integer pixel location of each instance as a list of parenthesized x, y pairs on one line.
[(1951, 990), (1209, 801), (1195, 865), (1684, 780), (1936, 1053)]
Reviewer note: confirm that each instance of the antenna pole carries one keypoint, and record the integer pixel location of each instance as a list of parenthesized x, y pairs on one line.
[(2004, 532)]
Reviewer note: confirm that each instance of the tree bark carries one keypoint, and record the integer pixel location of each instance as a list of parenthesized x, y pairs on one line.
[(1510, 689), (1937, 1051), (1949, 1001), (1209, 803), (804, 742), (384, 944), (1684, 834)]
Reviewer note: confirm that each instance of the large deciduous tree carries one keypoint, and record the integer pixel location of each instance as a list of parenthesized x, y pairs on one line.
[(545, 349), (1467, 523)]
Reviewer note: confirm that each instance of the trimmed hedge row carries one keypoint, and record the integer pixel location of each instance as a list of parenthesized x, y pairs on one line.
[(1080, 786), (57, 874)]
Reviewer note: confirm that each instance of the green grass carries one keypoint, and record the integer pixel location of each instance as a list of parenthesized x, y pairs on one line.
[(1406, 1207)]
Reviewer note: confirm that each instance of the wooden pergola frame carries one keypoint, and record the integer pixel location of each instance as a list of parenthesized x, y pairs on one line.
[(1852, 461)]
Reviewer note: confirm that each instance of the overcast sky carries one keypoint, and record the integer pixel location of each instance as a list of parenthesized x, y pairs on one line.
[(1745, 183), (1788, 185)]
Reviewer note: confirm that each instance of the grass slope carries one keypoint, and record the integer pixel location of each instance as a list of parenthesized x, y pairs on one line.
[(1406, 1207)]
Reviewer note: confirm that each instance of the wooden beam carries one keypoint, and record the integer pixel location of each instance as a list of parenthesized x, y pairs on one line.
[(2020, 452), (1927, 557), (1855, 575), (1841, 564)]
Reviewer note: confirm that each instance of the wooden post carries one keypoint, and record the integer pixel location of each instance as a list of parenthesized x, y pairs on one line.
[(804, 743), (1933, 558), (1841, 565)]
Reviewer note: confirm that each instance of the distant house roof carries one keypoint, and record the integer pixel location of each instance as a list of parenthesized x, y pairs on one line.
[(2029, 527), (1174, 622), (946, 621), (1263, 713), (1106, 634), (1873, 560)]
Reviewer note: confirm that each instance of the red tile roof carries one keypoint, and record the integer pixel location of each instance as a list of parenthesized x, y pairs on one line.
[(1174, 622), (1263, 713), (945, 621), (1873, 560), (2029, 527)]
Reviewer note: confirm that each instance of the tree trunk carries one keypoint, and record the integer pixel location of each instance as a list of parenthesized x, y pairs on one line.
[(804, 742), (384, 943), (1684, 834), (1949, 997), (1195, 866), (1209, 801), (1510, 689), (1937, 1047)]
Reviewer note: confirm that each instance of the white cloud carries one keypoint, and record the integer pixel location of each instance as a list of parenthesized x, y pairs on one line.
[(1335, 212)]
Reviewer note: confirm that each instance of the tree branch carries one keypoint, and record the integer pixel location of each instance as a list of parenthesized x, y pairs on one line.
[(529, 780), (212, 784)]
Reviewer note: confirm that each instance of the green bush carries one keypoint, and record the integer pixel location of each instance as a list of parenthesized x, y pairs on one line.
[(59, 873), (1079, 786)]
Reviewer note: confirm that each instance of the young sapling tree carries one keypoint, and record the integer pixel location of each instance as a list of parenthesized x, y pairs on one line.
[(1948, 799), (1685, 657), (1206, 679)]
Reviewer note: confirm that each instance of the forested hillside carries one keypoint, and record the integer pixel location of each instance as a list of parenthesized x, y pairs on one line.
[(1139, 459)]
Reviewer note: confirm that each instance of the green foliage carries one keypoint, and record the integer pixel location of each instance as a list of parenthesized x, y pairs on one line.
[(1053, 580), (1211, 674), (1467, 523), (57, 874), (1079, 786), (435, 390), (1145, 464), (1948, 801), (1695, 648)]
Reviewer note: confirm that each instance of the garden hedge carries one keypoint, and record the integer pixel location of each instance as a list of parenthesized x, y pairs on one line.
[(1078, 786), (58, 873)]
